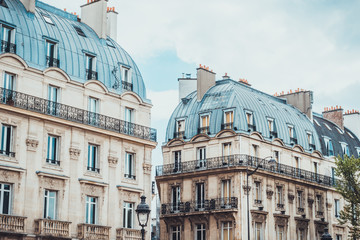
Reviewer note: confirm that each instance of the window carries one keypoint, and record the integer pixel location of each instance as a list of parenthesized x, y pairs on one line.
[(271, 126), (201, 156), (126, 74), (128, 215), (5, 198), (8, 39), (3, 4), (129, 115), (226, 149), (204, 123), (280, 233), (200, 232), (259, 235), (310, 139), (48, 19), (255, 149), (180, 128), (93, 158), (249, 118), (91, 210), (52, 150), (9, 80), (226, 231), (279, 197), (50, 204), (277, 156), (51, 54), (6, 147), (257, 193), (316, 168), (177, 161), (299, 199), (53, 97), (292, 134), (200, 195), (93, 110), (338, 237), (318, 205), (175, 232), (175, 198), (301, 234), (225, 192), (333, 175), (337, 208), (228, 120), (129, 166), (79, 31), (345, 149), (90, 66)]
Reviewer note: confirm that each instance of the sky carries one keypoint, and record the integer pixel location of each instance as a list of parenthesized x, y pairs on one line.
[(277, 45)]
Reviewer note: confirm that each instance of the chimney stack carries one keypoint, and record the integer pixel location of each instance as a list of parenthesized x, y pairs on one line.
[(112, 23), (94, 14), (187, 85), (29, 5), (205, 80), (334, 114)]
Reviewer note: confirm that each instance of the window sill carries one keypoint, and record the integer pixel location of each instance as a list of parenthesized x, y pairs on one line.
[(53, 167), (129, 180), (93, 174), (6, 158)]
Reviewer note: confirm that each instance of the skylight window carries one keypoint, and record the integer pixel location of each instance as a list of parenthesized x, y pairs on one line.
[(316, 122), (48, 19), (350, 134), (261, 101), (339, 130), (327, 126), (79, 31), (109, 43), (3, 4)]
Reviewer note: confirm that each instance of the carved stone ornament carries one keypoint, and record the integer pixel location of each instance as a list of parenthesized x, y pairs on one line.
[(291, 197), (281, 220), (32, 144), (147, 168), (269, 193), (258, 217), (246, 189), (310, 200), (112, 161), (302, 223), (74, 153)]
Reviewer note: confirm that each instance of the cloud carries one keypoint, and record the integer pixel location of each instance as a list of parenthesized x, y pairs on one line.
[(164, 103)]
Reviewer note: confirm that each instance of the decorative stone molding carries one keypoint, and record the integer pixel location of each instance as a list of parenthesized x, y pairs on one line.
[(291, 197), (320, 226), (281, 220), (258, 216), (328, 204), (74, 153), (147, 168), (310, 200), (246, 189), (113, 161), (302, 223), (32, 144), (222, 217), (269, 193)]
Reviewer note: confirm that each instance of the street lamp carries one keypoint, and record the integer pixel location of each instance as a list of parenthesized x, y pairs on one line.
[(326, 235), (272, 162), (143, 212)]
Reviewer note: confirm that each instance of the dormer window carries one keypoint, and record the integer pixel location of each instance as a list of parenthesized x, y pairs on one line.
[(327, 126), (8, 39), (9, 81), (345, 149), (291, 130), (3, 4), (79, 31), (126, 79), (329, 146), (90, 67), (228, 119), (271, 126), (180, 128), (204, 124), (51, 54), (250, 121), (48, 19), (310, 140)]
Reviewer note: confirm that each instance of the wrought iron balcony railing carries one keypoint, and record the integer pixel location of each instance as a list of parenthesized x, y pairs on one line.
[(130, 176), (229, 125), (280, 205), (52, 228), (7, 153), (52, 62), (312, 146), (293, 140), (179, 134), (93, 232), (242, 160), (53, 161), (40, 105), (9, 223), (8, 47), (127, 85), (93, 169), (257, 201), (205, 130), (216, 204), (320, 213), (91, 75), (273, 134), (301, 210), (251, 128), (128, 234)]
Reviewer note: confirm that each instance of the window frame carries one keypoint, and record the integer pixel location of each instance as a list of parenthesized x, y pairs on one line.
[(88, 210), (126, 207), (6, 143), (228, 227), (53, 145), (47, 199), (200, 229), (130, 166), (93, 163), (177, 231), (2, 193)]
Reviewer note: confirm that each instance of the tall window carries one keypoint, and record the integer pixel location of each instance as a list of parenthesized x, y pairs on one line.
[(297, 166), (51, 54), (329, 147), (271, 125), (177, 161), (345, 149), (227, 151), (175, 232), (255, 149), (318, 204), (9, 81), (180, 129), (310, 140), (257, 192), (292, 134), (6, 147), (53, 97), (249, 118), (200, 195), (259, 235), (204, 123), (300, 204), (8, 39), (280, 233), (277, 156), (129, 115), (226, 231), (91, 210), (200, 232), (128, 215), (90, 67), (201, 156), (126, 74), (337, 208), (225, 192), (93, 110), (338, 237), (50, 204), (301, 234), (5, 198), (53, 150), (129, 166), (175, 198), (228, 120), (279, 197), (93, 158)]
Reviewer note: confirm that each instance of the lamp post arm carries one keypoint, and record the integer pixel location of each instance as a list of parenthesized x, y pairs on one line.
[(257, 167)]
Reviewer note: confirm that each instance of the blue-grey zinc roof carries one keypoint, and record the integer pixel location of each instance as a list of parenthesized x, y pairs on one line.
[(32, 30), (229, 94)]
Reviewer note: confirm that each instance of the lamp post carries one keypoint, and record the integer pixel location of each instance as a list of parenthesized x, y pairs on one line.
[(326, 235), (272, 162), (143, 212)]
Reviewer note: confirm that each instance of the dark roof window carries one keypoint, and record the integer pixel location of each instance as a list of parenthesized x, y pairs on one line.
[(79, 31), (109, 43), (3, 4), (48, 19)]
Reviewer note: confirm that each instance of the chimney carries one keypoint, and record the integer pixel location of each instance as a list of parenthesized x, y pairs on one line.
[(352, 121), (29, 5), (112, 23), (94, 15), (301, 99), (334, 114), (187, 85), (205, 80)]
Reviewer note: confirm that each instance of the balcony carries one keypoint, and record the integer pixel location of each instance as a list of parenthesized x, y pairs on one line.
[(204, 130), (12, 224), (93, 232), (320, 214), (130, 176), (128, 234), (242, 160), (8, 47), (53, 161), (7, 153), (93, 169), (293, 140), (179, 134), (52, 228), (52, 62), (280, 205), (40, 105), (273, 134), (91, 75), (216, 204), (312, 146), (301, 210), (251, 128), (257, 201), (127, 85), (229, 125)]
